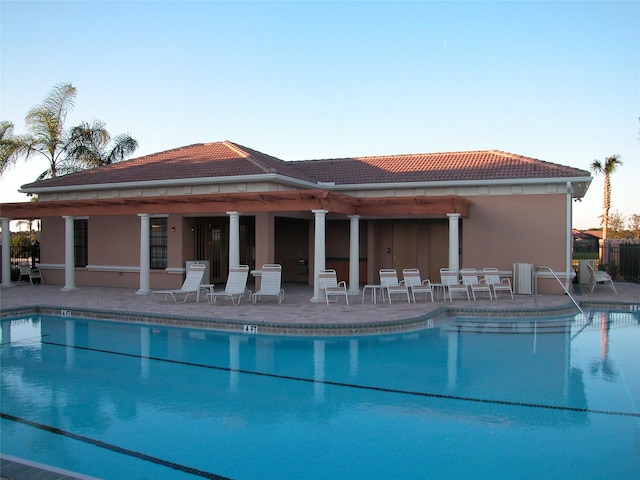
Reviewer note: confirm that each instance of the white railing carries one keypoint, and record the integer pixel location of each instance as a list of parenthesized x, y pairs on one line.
[(586, 317)]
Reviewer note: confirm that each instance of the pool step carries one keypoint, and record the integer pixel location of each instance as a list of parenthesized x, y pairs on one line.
[(14, 468)]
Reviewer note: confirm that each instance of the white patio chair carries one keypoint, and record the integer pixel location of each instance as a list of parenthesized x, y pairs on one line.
[(35, 274), (328, 281), (270, 283), (25, 271), (411, 278), (492, 278), (599, 277), (473, 283), (236, 286), (191, 285), (31, 274), (391, 285), (452, 284)]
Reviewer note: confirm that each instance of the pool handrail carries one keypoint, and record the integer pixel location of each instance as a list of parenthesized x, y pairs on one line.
[(565, 291)]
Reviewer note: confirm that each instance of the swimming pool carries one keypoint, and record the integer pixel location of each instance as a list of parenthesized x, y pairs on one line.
[(467, 398)]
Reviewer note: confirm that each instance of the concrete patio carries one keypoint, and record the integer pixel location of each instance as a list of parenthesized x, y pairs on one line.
[(297, 314)]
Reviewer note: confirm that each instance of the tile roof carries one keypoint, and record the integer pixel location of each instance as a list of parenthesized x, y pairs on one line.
[(202, 160), (435, 167), (227, 159)]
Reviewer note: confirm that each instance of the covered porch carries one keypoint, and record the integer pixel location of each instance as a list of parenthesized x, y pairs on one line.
[(342, 230)]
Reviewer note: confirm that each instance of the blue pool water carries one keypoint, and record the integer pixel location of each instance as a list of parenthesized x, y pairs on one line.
[(466, 398)]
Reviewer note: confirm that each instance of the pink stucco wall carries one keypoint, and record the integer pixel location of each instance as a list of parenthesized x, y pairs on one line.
[(501, 230)]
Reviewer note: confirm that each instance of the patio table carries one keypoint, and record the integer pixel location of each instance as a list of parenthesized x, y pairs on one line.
[(374, 292)]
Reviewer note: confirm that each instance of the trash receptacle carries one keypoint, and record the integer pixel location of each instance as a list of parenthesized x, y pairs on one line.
[(583, 272), (301, 267)]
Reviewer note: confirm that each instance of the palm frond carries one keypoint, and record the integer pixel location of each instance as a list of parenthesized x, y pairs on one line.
[(61, 99), (11, 146), (86, 143), (123, 146)]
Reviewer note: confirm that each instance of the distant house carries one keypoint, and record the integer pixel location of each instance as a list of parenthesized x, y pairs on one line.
[(136, 223), (585, 242)]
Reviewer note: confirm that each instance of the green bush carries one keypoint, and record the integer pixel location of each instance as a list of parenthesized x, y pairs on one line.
[(586, 255), (611, 269)]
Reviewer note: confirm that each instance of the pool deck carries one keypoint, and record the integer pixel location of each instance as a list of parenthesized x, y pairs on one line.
[(297, 314)]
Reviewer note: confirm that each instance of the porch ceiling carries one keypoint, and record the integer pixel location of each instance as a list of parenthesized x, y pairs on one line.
[(290, 200)]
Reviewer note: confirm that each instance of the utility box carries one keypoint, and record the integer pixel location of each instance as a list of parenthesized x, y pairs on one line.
[(523, 278), (583, 271)]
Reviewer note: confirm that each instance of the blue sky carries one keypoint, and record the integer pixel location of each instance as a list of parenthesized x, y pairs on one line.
[(557, 81)]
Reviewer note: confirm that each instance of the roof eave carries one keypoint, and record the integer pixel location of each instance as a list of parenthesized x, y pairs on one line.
[(273, 177), (580, 184)]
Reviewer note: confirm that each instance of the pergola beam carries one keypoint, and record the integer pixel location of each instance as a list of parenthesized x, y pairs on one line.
[(280, 201)]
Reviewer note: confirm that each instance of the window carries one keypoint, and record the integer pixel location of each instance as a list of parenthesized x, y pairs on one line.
[(158, 243), (81, 242)]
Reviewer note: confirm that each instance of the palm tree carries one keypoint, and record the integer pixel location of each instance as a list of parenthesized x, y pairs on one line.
[(609, 166), (7, 145), (81, 147), (90, 146)]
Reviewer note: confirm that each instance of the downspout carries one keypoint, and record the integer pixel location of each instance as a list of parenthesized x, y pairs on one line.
[(567, 279)]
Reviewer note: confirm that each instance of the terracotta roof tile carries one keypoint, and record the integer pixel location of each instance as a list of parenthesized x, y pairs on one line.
[(226, 159), (435, 167)]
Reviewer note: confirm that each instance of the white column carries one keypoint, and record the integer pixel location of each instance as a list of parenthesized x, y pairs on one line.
[(319, 252), (145, 255), (354, 254), (567, 279), (454, 247), (234, 239), (69, 258), (6, 253)]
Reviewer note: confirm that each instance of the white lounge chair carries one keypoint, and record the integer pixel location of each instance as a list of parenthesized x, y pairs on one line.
[(328, 281), (31, 273), (492, 278), (236, 286), (25, 271), (191, 285), (270, 283), (36, 274), (599, 276), (452, 284), (391, 285), (411, 278), (473, 283)]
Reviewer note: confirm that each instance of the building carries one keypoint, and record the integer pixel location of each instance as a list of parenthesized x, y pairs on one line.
[(136, 223)]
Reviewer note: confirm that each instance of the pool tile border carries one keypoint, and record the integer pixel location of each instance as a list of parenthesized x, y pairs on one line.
[(312, 328)]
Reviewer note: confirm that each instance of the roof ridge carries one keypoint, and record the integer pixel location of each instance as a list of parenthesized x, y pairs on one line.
[(232, 146), (250, 157), (426, 154), (162, 152), (429, 154)]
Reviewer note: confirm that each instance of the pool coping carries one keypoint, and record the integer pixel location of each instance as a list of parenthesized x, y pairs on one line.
[(419, 322)]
